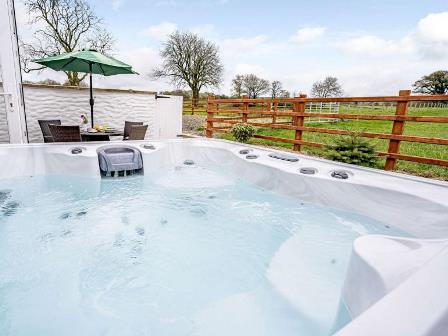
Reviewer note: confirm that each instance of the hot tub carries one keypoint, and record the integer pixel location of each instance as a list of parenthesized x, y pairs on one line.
[(217, 238)]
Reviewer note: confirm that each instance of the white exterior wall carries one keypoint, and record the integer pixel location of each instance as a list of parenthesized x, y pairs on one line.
[(11, 77), (112, 108), (4, 130)]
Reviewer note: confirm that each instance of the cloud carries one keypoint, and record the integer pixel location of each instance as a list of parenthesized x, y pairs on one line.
[(308, 34), (382, 78), (241, 69), (143, 60), (160, 31), (429, 40), (370, 46), (247, 68)]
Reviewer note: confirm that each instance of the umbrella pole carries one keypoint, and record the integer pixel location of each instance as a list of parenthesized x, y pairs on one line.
[(91, 96)]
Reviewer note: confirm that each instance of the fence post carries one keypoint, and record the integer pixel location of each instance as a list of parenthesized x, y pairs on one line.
[(210, 108), (397, 129), (274, 116), (298, 107), (268, 108), (245, 110)]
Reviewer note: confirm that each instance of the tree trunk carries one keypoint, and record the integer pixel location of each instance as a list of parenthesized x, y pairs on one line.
[(73, 78), (194, 100)]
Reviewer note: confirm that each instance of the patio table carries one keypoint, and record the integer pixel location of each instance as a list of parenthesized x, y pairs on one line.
[(99, 136)]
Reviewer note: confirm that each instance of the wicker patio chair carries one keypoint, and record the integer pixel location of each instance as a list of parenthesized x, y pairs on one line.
[(127, 128), (45, 130), (137, 132), (65, 133)]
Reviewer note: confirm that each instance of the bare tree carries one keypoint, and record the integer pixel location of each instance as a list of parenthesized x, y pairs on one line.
[(254, 86), (189, 59), (48, 81), (64, 26), (284, 94), (329, 87), (237, 85), (276, 89)]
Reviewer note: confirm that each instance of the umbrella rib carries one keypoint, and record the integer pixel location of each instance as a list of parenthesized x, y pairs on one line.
[(72, 59), (101, 67)]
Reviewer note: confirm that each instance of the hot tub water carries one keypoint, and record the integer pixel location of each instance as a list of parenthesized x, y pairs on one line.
[(190, 250)]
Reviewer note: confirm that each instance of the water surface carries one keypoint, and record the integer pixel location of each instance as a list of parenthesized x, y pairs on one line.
[(189, 251)]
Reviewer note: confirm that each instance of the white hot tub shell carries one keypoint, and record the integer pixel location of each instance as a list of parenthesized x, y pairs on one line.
[(394, 286)]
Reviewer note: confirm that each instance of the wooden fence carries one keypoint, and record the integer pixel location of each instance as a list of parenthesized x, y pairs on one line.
[(193, 107), (227, 112)]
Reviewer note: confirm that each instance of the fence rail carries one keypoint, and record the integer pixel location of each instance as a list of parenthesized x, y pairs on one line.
[(222, 110)]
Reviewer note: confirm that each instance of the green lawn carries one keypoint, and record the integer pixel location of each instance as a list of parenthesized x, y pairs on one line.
[(201, 109), (438, 130)]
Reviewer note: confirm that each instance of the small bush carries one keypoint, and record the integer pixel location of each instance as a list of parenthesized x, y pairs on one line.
[(352, 149), (242, 132)]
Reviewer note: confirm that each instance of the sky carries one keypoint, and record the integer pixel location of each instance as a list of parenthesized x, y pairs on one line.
[(373, 47)]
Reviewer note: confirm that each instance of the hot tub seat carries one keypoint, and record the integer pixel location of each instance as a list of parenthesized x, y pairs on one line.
[(119, 158)]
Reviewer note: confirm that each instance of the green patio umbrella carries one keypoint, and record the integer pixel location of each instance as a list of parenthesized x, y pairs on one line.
[(87, 61)]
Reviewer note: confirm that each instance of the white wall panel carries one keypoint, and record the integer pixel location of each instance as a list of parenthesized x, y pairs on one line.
[(4, 130), (112, 107)]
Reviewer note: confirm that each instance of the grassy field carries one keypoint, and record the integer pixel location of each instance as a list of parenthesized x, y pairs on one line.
[(201, 109), (411, 128)]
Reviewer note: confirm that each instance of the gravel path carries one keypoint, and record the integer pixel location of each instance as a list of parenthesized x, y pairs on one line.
[(193, 124)]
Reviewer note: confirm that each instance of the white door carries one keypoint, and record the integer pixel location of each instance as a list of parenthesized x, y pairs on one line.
[(168, 117)]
